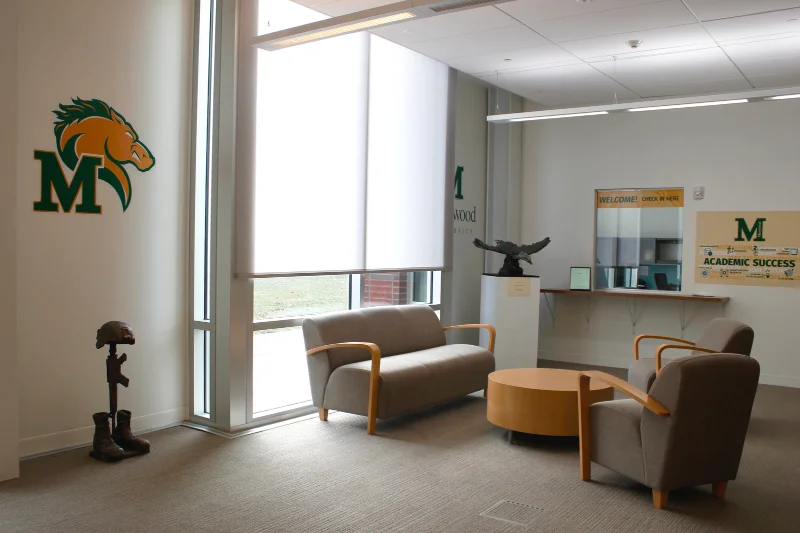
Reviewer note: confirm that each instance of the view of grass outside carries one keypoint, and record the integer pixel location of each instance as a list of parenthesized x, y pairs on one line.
[(300, 296)]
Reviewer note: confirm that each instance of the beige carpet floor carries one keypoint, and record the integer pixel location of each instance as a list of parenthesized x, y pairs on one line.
[(435, 471)]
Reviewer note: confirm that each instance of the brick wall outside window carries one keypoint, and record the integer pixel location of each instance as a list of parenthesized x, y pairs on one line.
[(390, 288)]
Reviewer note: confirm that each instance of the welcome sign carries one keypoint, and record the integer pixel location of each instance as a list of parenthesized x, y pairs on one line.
[(748, 248), (639, 198)]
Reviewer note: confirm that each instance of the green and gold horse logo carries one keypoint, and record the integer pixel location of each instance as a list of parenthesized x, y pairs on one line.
[(95, 142)]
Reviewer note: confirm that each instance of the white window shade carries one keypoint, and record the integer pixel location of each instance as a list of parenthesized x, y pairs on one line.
[(407, 169), (311, 157), (351, 152)]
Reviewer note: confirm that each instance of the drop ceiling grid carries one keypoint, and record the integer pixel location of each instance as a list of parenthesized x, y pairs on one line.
[(725, 45)]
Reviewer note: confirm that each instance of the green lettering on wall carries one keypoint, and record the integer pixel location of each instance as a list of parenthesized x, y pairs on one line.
[(459, 172), (84, 180)]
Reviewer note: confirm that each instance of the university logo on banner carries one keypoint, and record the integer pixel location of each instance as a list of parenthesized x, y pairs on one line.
[(748, 248), (95, 142)]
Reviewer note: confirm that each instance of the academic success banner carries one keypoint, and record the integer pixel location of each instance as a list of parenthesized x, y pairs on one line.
[(748, 248)]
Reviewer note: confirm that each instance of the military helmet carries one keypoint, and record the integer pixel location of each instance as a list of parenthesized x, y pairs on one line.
[(115, 332)]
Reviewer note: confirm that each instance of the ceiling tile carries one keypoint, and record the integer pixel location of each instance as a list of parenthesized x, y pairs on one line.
[(525, 57), (616, 21), (656, 90), (787, 47), (684, 37), (484, 42), (718, 9), (532, 11), (775, 80), (654, 74), (571, 85), (774, 23), (443, 26), (344, 7)]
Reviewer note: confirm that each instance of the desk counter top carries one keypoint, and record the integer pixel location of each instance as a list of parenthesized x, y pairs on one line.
[(631, 293)]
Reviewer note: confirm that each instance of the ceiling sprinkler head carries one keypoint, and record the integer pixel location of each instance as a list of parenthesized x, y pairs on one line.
[(634, 43)]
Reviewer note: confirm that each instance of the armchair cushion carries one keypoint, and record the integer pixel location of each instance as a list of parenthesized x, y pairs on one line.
[(616, 437), (642, 372), (412, 380)]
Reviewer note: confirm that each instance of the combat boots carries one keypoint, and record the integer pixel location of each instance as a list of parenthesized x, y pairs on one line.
[(126, 439), (104, 447)]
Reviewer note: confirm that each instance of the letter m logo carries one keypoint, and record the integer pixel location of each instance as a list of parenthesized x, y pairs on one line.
[(84, 181), (459, 172), (746, 232)]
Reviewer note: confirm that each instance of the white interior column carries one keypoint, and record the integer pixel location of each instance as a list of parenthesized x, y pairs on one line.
[(504, 175), (9, 410)]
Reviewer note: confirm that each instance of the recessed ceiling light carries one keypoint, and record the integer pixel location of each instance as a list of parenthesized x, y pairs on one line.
[(507, 59), (634, 43)]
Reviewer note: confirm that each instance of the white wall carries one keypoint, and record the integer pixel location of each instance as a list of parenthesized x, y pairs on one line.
[(77, 271), (470, 152), (9, 431), (747, 158)]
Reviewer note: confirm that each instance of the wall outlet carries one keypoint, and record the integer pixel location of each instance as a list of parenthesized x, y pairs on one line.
[(699, 192)]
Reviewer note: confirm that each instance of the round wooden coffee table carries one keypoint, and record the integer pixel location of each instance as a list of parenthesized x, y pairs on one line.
[(542, 401)]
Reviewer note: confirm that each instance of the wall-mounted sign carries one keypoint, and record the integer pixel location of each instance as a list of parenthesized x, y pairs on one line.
[(95, 142), (748, 248), (639, 198)]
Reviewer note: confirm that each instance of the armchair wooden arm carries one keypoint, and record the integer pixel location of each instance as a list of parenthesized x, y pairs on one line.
[(584, 433), (677, 347), (374, 377), (488, 327), (648, 336)]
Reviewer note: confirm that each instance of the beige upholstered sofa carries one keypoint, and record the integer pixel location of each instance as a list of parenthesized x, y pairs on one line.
[(387, 361)]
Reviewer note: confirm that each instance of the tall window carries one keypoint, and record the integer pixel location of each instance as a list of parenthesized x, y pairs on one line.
[(639, 239), (202, 210), (351, 136)]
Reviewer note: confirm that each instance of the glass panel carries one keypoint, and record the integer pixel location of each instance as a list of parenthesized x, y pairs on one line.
[(639, 239), (202, 373), (300, 296), (202, 190), (280, 371)]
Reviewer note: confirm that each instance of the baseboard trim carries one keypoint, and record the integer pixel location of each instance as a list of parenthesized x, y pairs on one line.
[(764, 379), (80, 437), (780, 381)]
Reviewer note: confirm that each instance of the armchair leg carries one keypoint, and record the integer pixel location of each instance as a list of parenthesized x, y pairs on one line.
[(371, 425), (718, 489), (486, 392), (323, 414), (660, 499), (584, 433)]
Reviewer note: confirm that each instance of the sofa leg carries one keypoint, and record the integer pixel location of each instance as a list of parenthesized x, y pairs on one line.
[(323, 414), (718, 489), (660, 499)]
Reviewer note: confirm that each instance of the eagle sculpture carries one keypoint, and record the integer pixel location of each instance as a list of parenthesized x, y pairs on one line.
[(514, 254)]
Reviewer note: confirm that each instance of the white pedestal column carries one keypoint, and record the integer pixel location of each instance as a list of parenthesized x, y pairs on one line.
[(511, 305)]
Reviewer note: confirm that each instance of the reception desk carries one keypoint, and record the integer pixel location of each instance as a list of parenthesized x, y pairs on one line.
[(633, 296)]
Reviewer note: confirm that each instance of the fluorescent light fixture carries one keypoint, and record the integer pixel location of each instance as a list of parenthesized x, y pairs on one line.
[(681, 106), (364, 20), (333, 32), (783, 97), (549, 117), (755, 95)]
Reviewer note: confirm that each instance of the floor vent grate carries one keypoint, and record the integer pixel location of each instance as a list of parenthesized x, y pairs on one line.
[(515, 513)]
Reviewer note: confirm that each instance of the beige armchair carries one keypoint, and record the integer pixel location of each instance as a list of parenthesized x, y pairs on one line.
[(387, 361), (688, 430), (722, 335)]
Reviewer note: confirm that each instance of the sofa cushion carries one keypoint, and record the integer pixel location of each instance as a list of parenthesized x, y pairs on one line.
[(412, 380)]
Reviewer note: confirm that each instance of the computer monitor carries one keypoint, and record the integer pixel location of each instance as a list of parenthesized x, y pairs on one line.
[(580, 278)]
